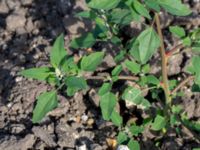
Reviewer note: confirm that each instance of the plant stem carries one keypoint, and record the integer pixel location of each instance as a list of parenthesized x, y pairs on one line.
[(164, 62), (170, 52), (132, 78), (184, 82)]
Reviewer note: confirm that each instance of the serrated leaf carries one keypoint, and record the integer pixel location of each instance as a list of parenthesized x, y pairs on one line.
[(45, 103), (177, 31), (105, 88), (132, 66), (133, 145), (141, 9), (122, 137), (58, 52), (159, 123), (116, 118), (175, 7), (42, 74), (90, 62), (85, 41), (107, 105), (103, 4), (76, 82)]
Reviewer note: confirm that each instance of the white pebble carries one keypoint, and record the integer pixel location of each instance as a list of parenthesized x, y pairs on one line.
[(122, 147)]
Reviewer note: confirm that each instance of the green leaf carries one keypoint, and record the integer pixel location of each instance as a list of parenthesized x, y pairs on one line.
[(90, 62), (187, 41), (176, 109), (117, 70), (122, 137), (120, 16), (133, 145), (195, 88), (146, 68), (135, 130), (107, 104), (58, 52), (133, 95), (84, 41), (177, 31), (159, 123), (148, 43), (105, 88), (76, 82), (132, 66), (151, 79), (116, 118), (152, 4), (175, 7), (87, 14), (141, 9), (42, 74), (103, 4), (196, 149), (45, 103), (71, 91), (120, 56)]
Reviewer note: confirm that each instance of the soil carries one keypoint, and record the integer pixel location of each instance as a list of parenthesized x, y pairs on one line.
[(27, 31)]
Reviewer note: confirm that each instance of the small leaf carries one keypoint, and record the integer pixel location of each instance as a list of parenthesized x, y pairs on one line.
[(152, 4), (132, 66), (90, 62), (159, 123), (76, 82), (141, 9), (105, 88), (133, 145), (187, 41), (107, 104), (45, 103), (58, 52), (177, 31), (85, 41), (42, 74), (71, 91), (133, 95), (122, 137), (103, 4), (175, 7), (116, 118), (117, 70), (135, 130), (151, 79)]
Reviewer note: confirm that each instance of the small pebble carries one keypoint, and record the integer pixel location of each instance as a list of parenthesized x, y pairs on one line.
[(122, 147)]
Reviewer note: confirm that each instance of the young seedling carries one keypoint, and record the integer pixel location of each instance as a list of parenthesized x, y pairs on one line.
[(110, 16)]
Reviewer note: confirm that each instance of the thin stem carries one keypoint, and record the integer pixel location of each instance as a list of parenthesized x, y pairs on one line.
[(164, 62), (173, 50), (184, 82), (132, 78)]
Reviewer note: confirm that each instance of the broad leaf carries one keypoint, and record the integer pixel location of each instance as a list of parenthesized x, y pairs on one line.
[(117, 70), (85, 41), (105, 88), (153, 4), (177, 31), (45, 103), (42, 74), (159, 123), (141, 9), (135, 130), (58, 52), (107, 104), (76, 82), (133, 145), (103, 4), (122, 137), (116, 118), (132, 66), (90, 62), (148, 43), (175, 7)]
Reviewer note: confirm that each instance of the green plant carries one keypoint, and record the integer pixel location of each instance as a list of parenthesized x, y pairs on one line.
[(110, 16)]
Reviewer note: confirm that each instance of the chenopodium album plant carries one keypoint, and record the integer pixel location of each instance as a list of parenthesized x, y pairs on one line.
[(110, 16)]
